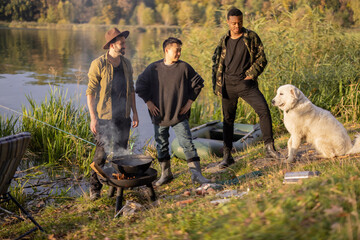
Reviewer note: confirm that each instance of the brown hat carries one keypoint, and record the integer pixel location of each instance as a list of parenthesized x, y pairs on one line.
[(113, 33)]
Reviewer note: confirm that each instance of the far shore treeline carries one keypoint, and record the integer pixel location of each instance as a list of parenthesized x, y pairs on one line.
[(167, 12)]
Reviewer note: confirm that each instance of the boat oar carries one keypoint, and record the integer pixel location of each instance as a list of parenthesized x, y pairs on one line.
[(256, 127), (204, 125)]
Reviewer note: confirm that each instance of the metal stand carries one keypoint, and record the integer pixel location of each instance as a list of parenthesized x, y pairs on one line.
[(119, 199), (111, 191), (120, 196), (152, 192), (7, 197)]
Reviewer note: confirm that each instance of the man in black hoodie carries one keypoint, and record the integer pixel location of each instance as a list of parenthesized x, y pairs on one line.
[(169, 87)]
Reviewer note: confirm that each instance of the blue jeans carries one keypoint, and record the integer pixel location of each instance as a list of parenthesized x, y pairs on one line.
[(183, 134)]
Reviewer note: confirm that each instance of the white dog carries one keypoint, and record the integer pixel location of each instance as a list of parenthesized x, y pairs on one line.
[(304, 120)]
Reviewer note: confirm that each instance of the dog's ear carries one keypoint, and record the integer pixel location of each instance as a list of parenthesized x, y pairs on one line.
[(295, 93)]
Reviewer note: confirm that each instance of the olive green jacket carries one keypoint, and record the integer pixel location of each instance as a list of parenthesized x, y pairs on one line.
[(100, 75), (257, 58)]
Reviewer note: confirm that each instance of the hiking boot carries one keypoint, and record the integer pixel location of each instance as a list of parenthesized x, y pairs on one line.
[(94, 195), (195, 170), (271, 152), (166, 174), (227, 159)]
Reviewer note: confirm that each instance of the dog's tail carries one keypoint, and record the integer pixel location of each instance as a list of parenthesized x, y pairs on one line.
[(356, 146)]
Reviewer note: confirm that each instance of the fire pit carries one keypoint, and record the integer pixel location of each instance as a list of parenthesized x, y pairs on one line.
[(123, 176), (132, 165), (145, 180)]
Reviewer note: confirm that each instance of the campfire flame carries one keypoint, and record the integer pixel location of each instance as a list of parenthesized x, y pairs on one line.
[(121, 176)]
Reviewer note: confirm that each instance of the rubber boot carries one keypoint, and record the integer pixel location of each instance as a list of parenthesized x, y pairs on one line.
[(271, 152), (166, 174), (227, 159), (196, 176)]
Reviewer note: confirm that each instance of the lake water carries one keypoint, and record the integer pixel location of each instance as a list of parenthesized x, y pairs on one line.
[(33, 60)]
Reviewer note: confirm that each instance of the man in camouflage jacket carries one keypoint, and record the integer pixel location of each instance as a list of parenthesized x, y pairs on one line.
[(238, 60)]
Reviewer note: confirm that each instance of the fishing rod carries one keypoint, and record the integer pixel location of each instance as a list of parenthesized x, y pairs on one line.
[(32, 118)]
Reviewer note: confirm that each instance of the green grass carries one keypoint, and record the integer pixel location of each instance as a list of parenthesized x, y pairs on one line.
[(325, 207), (51, 145), (60, 132), (8, 125), (303, 49)]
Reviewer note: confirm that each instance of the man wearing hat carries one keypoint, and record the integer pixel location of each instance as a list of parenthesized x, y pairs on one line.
[(110, 98)]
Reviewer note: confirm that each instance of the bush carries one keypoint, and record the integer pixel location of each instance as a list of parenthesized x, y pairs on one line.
[(302, 48), (145, 15)]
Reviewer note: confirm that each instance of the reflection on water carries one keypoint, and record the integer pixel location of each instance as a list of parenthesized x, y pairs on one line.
[(33, 59), (62, 56)]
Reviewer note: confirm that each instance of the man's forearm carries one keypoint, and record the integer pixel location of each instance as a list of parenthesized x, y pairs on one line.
[(133, 103), (91, 106)]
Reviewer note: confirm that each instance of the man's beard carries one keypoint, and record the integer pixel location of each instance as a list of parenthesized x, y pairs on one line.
[(120, 51)]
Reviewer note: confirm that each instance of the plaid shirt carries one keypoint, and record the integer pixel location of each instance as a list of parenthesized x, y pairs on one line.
[(257, 58)]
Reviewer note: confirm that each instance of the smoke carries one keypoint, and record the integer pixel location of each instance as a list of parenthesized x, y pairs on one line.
[(121, 152), (114, 136)]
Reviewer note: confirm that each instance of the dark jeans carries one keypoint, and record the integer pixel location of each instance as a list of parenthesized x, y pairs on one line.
[(113, 134), (248, 90)]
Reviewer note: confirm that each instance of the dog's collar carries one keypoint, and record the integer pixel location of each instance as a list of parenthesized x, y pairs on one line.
[(287, 111), (293, 106)]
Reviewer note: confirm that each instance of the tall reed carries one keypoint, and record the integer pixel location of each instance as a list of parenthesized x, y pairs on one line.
[(53, 145), (302, 48), (8, 125), (318, 57), (57, 144)]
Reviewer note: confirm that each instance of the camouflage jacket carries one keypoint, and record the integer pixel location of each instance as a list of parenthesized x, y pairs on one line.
[(257, 58)]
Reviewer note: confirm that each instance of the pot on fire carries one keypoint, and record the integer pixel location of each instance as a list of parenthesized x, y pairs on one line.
[(135, 164)]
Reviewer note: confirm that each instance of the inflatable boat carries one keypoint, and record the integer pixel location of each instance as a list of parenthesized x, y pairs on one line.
[(208, 139)]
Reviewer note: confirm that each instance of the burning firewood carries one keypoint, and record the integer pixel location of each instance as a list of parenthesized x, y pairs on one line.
[(118, 176), (121, 176)]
